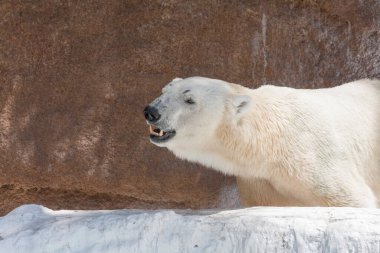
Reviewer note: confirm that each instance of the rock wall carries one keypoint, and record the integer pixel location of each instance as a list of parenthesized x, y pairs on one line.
[(75, 76)]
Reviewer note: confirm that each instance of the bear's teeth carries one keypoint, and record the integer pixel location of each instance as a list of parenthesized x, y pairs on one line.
[(151, 131), (156, 131)]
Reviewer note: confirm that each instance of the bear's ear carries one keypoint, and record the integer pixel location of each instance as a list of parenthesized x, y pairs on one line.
[(241, 104)]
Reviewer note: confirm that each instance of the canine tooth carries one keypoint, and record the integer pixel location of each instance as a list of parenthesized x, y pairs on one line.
[(151, 131), (161, 133)]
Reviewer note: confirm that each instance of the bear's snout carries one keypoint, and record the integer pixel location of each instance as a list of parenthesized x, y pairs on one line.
[(151, 114)]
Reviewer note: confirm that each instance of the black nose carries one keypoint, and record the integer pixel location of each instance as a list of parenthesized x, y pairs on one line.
[(151, 114)]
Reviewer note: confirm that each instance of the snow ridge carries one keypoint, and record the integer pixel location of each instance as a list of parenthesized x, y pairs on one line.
[(33, 228)]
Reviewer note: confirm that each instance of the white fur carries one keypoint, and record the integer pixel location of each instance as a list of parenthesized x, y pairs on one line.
[(286, 146)]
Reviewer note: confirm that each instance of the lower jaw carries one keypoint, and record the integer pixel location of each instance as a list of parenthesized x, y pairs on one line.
[(157, 140)]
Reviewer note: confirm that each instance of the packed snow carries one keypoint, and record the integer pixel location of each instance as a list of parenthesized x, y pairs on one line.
[(33, 228)]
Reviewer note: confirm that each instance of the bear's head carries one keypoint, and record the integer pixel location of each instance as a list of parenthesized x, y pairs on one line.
[(189, 111)]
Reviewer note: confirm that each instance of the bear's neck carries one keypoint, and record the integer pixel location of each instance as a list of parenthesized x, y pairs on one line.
[(254, 142)]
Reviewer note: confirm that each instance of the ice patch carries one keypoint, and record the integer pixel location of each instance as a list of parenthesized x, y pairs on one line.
[(33, 228)]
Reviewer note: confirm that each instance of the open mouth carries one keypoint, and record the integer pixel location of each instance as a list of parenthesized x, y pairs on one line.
[(159, 135)]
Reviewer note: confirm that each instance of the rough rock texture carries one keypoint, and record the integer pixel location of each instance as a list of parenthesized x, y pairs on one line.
[(37, 229), (75, 76)]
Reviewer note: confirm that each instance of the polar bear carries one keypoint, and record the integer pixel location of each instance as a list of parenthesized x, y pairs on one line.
[(287, 147)]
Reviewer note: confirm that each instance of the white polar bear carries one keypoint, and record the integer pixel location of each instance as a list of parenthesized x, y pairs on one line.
[(286, 146)]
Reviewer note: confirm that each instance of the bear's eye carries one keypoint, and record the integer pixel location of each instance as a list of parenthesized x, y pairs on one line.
[(189, 101)]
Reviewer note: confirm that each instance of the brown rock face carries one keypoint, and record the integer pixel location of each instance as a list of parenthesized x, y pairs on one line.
[(75, 76)]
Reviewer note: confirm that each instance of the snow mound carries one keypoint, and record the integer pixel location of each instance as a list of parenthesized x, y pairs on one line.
[(33, 228)]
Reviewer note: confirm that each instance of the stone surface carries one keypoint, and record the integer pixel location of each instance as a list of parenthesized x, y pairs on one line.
[(75, 76), (33, 228)]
